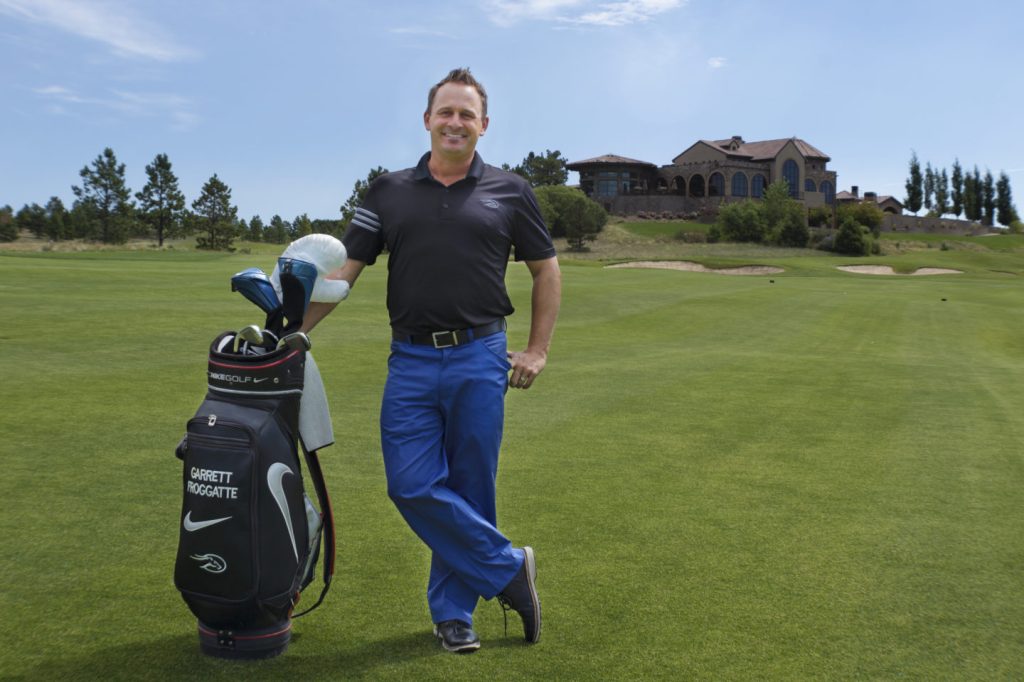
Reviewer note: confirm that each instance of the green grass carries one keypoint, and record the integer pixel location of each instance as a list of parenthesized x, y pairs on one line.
[(664, 228), (724, 478)]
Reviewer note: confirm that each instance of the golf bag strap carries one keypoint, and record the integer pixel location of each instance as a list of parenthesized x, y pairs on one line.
[(316, 474)]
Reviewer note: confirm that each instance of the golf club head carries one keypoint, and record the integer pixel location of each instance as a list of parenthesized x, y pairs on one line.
[(295, 341), (297, 280), (256, 286), (252, 335)]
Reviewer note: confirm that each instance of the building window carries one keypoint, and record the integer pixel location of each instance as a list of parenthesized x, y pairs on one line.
[(739, 185), (697, 186), (716, 185), (607, 188), (829, 192), (791, 174), (679, 185), (757, 187), (809, 186)]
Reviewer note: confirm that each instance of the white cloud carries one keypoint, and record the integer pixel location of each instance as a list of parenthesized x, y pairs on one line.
[(716, 62), (577, 12), (177, 108), (114, 25)]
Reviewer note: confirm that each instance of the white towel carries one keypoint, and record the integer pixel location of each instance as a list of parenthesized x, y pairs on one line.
[(314, 414)]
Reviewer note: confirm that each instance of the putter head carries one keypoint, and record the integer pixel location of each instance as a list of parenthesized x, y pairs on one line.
[(256, 286)]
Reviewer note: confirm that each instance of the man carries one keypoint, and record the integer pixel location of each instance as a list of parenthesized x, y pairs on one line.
[(449, 225)]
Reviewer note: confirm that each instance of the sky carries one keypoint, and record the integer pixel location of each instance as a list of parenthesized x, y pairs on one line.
[(290, 103)]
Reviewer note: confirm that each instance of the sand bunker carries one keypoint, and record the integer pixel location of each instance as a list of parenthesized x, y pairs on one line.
[(886, 270), (697, 267)]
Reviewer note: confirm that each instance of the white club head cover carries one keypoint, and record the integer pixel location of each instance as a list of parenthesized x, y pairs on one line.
[(325, 252)]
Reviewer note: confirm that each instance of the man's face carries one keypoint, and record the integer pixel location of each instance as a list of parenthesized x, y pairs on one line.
[(456, 121)]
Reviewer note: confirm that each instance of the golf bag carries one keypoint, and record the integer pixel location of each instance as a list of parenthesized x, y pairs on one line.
[(250, 537)]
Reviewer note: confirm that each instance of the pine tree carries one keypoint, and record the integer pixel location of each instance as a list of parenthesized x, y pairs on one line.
[(32, 217), (929, 185), (8, 230), (1006, 211), (256, 229), (161, 202), (989, 199), (979, 194), (105, 199), (970, 198), (941, 193), (914, 186), (56, 220), (957, 189), (301, 226), (348, 209), (215, 215), (277, 231)]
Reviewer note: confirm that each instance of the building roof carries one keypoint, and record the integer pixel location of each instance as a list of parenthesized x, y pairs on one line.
[(765, 149), (610, 159)]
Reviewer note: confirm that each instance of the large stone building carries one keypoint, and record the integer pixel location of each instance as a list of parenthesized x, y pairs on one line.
[(708, 173)]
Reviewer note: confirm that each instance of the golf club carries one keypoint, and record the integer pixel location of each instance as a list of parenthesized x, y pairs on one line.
[(295, 341)]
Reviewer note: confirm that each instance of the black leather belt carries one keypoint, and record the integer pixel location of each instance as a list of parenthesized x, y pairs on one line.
[(455, 337)]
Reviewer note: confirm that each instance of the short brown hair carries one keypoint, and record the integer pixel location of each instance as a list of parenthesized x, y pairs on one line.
[(464, 77)]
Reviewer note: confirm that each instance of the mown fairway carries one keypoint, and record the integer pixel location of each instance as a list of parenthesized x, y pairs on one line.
[(723, 477)]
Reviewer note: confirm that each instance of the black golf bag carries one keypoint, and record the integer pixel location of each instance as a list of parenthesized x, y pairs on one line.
[(250, 537)]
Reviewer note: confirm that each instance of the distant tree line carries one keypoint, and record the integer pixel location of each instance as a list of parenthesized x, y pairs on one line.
[(105, 210), (979, 198)]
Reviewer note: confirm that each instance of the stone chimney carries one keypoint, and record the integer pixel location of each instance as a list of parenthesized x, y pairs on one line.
[(855, 191), (871, 196)]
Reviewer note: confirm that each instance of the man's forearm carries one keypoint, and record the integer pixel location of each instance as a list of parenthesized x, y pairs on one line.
[(545, 302)]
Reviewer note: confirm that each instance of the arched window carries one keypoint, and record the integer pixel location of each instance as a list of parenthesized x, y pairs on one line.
[(679, 185), (716, 185), (697, 186), (662, 185), (829, 192), (757, 187), (809, 186), (791, 174), (739, 185)]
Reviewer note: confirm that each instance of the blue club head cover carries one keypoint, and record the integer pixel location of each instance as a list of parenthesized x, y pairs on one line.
[(296, 297), (256, 286)]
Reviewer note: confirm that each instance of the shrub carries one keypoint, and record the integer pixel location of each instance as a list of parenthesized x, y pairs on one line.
[(791, 230), (742, 222), (819, 216), (865, 213), (569, 213), (851, 239)]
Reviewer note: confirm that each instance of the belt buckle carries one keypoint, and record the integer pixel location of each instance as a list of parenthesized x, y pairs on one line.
[(438, 345)]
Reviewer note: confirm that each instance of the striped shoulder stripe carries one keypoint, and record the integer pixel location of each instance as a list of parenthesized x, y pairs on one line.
[(366, 219)]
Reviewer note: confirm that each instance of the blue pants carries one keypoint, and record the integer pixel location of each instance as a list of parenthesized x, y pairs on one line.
[(441, 424)]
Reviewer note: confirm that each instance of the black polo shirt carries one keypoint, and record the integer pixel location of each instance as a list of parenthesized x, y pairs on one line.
[(448, 246)]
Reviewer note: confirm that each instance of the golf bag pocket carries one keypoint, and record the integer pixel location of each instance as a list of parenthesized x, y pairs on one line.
[(244, 537)]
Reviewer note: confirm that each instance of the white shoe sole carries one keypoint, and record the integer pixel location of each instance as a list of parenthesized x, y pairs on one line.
[(531, 572)]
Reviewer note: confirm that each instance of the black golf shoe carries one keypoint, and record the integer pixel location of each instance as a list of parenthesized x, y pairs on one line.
[(457, 636), (520, 595)]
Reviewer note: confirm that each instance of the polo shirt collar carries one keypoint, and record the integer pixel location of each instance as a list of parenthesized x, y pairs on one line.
[(476, 169)]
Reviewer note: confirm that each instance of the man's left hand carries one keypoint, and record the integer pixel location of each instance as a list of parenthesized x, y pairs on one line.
[(525, 367)]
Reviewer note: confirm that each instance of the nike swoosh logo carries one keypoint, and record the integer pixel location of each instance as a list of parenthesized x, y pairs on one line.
[(275, 473), (260, 381), (192, 526)]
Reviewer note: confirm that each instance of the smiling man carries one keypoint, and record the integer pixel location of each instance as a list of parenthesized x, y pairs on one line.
[(450, 225)]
